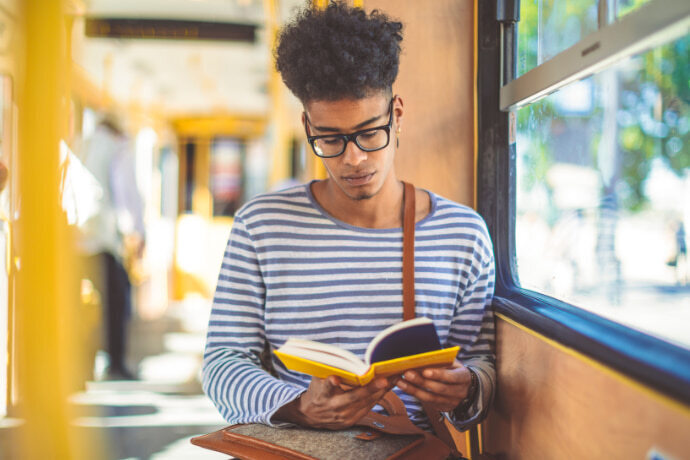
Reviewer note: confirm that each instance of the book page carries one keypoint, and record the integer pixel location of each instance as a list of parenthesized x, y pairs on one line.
[(325, 354)]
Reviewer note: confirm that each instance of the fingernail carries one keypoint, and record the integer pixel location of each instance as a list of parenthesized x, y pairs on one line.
[(428, 373), (381, 384)]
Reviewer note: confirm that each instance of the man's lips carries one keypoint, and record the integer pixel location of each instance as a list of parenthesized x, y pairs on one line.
[(359, 178)]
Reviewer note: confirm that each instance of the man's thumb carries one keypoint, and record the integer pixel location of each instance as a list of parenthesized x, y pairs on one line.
[(332, 385)]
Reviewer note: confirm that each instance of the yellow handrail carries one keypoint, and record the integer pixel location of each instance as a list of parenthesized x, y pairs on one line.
[(46, 290)]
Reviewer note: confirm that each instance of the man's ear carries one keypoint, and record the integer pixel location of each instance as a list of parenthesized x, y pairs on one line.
[(398, 111)]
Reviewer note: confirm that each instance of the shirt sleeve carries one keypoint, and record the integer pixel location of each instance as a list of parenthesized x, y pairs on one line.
[(232, 375), (474, 330)]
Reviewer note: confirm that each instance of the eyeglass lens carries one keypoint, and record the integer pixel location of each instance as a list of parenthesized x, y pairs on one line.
[(370, 140)]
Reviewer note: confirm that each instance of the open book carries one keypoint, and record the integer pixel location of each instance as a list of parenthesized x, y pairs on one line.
[(407, 345)]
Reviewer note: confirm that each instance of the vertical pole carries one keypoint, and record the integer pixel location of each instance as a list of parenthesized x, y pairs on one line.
[(475, 99), (277, 122), (202, 198), (607, 12), (508, 15), (319, 166), (46, 294)]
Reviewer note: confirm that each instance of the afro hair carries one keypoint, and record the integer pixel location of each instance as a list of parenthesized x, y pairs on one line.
[(338, 53)]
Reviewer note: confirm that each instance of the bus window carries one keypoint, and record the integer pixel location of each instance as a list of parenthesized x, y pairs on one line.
[(603, 176), (548, 27), (583, 176)]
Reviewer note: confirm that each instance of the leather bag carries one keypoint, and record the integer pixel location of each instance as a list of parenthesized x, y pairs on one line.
[(376, 436)]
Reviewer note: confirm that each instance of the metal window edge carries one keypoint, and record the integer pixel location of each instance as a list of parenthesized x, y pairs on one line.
[(653, 24)]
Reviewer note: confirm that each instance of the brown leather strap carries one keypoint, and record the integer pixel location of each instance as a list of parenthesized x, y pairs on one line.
[(408, 251), (409, 211), (438, 423), (401, 425), (392, 404)]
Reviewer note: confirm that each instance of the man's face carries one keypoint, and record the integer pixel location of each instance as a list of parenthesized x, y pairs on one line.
[(357, 173)]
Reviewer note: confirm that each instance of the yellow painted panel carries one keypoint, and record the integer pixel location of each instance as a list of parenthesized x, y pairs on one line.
[(554, 402)]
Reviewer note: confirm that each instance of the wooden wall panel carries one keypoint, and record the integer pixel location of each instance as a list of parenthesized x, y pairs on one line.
[(553, 404), (436, 84)]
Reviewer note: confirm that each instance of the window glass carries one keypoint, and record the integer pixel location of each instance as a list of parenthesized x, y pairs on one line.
[(548, 27), (603, 193), (626, 6)]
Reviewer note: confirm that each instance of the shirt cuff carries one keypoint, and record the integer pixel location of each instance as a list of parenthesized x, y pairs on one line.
[(475, 411), (280, 423)]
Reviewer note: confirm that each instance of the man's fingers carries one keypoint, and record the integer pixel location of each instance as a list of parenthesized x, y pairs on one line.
[(452, 376), (425, 395), (334, 380), (433, 386), (328, 387), (356, 397), (328, 403), (374, 398), (360, 414), (365, 392), (368, 395)]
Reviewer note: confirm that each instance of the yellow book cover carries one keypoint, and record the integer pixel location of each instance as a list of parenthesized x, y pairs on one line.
[(407, 345)]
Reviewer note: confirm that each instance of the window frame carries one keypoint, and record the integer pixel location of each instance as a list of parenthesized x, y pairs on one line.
[(655, 23), (649, 360)]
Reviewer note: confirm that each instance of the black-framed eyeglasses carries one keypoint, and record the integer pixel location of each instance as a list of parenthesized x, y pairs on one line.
[(368, 140)]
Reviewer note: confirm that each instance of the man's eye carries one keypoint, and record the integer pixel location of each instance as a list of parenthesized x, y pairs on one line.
[(368, 135), (331, 141)]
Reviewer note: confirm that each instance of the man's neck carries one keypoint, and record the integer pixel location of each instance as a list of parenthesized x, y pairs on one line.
[(383, 210)]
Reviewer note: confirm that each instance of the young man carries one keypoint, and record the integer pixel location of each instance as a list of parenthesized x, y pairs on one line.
[(323, 261)]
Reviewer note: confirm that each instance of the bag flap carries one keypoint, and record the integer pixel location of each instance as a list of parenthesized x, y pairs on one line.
[(246, 448)]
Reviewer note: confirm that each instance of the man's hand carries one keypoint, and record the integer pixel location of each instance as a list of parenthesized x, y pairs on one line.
[(329, 404), (442, 389)]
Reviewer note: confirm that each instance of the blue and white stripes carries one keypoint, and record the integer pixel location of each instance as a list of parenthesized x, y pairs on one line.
[(291, 270)]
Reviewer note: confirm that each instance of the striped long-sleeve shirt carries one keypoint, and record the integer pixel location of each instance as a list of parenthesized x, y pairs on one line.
[(292, 270)]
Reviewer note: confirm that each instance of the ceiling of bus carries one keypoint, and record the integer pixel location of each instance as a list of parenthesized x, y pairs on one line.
[(176, 77)]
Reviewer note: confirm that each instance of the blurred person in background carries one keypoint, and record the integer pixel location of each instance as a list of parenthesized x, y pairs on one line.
[(679, 261), (114, 236)]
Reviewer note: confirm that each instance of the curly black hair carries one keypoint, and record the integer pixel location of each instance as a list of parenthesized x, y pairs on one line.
[(338, 52)]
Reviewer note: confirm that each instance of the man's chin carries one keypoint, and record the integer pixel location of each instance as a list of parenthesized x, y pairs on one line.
[(362, 196), (359, 193)]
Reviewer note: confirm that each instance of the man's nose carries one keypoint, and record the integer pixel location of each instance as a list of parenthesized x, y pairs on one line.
[(353, 155)]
